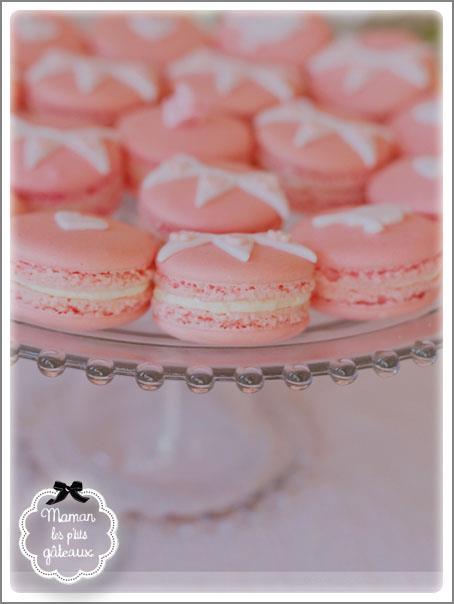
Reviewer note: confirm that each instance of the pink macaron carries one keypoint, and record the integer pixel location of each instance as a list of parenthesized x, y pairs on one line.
[(78, 271), (234, 86), (73, 85), (412, 183), (182, 124), (322, 160), (233, 289), (374, 261), (418, 128), (33, 33), (287, 38), (185, 194), (154, 38), (59, 165), (17, 206), (373, 74), (17, 93)]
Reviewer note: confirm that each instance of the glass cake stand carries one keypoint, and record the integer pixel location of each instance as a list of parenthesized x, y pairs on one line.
[(159, 448)]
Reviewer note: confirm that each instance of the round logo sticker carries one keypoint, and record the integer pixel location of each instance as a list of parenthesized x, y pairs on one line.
[(68, 533)]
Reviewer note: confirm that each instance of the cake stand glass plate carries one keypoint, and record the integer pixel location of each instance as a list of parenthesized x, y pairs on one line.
[(151, 440), (165, 451), (142, 351)]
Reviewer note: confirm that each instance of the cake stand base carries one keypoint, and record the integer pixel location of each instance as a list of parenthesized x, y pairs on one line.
[(169, 453)]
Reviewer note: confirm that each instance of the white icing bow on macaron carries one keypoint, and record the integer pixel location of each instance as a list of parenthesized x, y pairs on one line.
[(151, 27), (255, 31), (42, 141), (362, 62), (314, 124), (426, 166), (89, 72), (229, 73), (35, 28), (237, 245), (183, 107), (371, 218), (75, 221), (213, 182), (427, 112)]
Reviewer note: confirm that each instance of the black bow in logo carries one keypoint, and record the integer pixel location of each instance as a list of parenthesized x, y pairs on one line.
[(64, 491)]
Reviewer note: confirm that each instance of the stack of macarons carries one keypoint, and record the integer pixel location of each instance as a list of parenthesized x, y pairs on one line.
[(222, 136)]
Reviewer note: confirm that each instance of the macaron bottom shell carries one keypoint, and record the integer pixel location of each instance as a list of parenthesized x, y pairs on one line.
[(73, 314), (102, 200), (378, 294), (231, 336), (357, 312), (312, 192), (232, 314)]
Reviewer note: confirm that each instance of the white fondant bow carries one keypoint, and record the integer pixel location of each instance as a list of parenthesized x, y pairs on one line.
[(237, 245), (427, 112), (362, 62), (34, 28), (229, 73), (75, 221), (371, 218), (182, 107), (212, 182), (426, 166), (41, 141), (314, 124), (260, 29), (89, 72), (151, 27)]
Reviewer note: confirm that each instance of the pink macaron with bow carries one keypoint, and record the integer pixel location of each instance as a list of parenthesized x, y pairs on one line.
[(182, 124), (233, 289), (184, 193)]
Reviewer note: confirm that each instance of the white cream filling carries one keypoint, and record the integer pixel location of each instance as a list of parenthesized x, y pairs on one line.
[(96, 294), (231, 306)]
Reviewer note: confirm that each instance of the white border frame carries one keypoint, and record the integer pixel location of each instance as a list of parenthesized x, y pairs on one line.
[(445, 593)]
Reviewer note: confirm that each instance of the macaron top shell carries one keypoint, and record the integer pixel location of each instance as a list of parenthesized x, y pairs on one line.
[(285, 38), (235, 209), (61, 169), (326, 149), (418, 128), (413, 239), (208, 263), (145, 135), (413, 183), (234, 86), (373, 74), (38, 239), (35, 32), (80, 83), (148, 37)]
